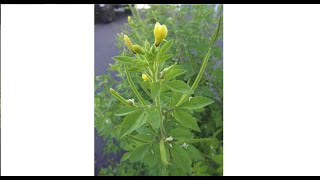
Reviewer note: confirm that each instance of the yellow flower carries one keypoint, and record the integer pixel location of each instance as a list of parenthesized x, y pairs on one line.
[(145, 77), (138, 49), (129, 19), (128, 43), (160, 32)]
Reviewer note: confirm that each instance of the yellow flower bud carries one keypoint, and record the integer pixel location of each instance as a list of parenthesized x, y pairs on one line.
[(160, 32), (129, 19), (145, 77), (138, 49), (128, 43)]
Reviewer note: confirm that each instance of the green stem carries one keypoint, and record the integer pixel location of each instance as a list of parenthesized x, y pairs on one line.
[(133, 86), (140, 140), (194, 141), (203, 66), (161, 119)]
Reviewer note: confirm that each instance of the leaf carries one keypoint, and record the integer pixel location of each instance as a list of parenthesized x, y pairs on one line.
[(153, 117), (165, 47), (125, 156), (125, 111), (124, 59), (181, 158), (165, 57), (135, 69), (155, 89), (193, 153), (218, 159), (179, 86), (186, 120), (197, 103), (139, 153), (132, 122), (176, 171), (174, 73), (181, 134)]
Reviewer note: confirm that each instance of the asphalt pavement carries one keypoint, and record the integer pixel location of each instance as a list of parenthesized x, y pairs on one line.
[(105, 42)]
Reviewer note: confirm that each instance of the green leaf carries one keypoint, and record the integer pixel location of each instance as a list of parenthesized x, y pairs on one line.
[(125, 156), (165, 47), (179, 86), (181, 158), (181, 134), (176, 171), (139, 153), (174, 73), (135, 69), (153, 117), (197, 103), (143, 137), (124, 59), (125, 111), (165, 57), (218, 159), (132, 122), (193, 153), (186, 120), (155, 89)]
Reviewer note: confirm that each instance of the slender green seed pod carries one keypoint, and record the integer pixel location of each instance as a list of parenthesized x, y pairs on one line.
[(163, 153)]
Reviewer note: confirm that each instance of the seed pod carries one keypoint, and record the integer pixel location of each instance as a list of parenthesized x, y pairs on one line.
[(119, 97), (128, 43), (163, 153)]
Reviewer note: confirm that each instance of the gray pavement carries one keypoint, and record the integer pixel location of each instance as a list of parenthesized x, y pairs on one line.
[(105, 43)]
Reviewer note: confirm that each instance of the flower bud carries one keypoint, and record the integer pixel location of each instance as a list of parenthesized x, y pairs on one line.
[(145, 77), (160, 32), (138, 49), (128, 43), (129, 19)]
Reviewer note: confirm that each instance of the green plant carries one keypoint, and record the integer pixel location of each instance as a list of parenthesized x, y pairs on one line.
[(190, 41), (160, 131)]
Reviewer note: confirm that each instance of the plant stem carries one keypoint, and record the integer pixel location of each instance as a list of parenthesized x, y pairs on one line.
[(133, 86), (203, 66)]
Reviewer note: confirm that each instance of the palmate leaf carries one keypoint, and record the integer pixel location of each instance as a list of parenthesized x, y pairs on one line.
[(181, 134), (197, 103), (132, 122), (186, 120), (181, 158), (125, 111), (153, 117), (179, 86)]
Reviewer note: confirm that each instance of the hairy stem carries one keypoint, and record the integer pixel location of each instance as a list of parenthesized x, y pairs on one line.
[(203, 66), (133, 86)]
